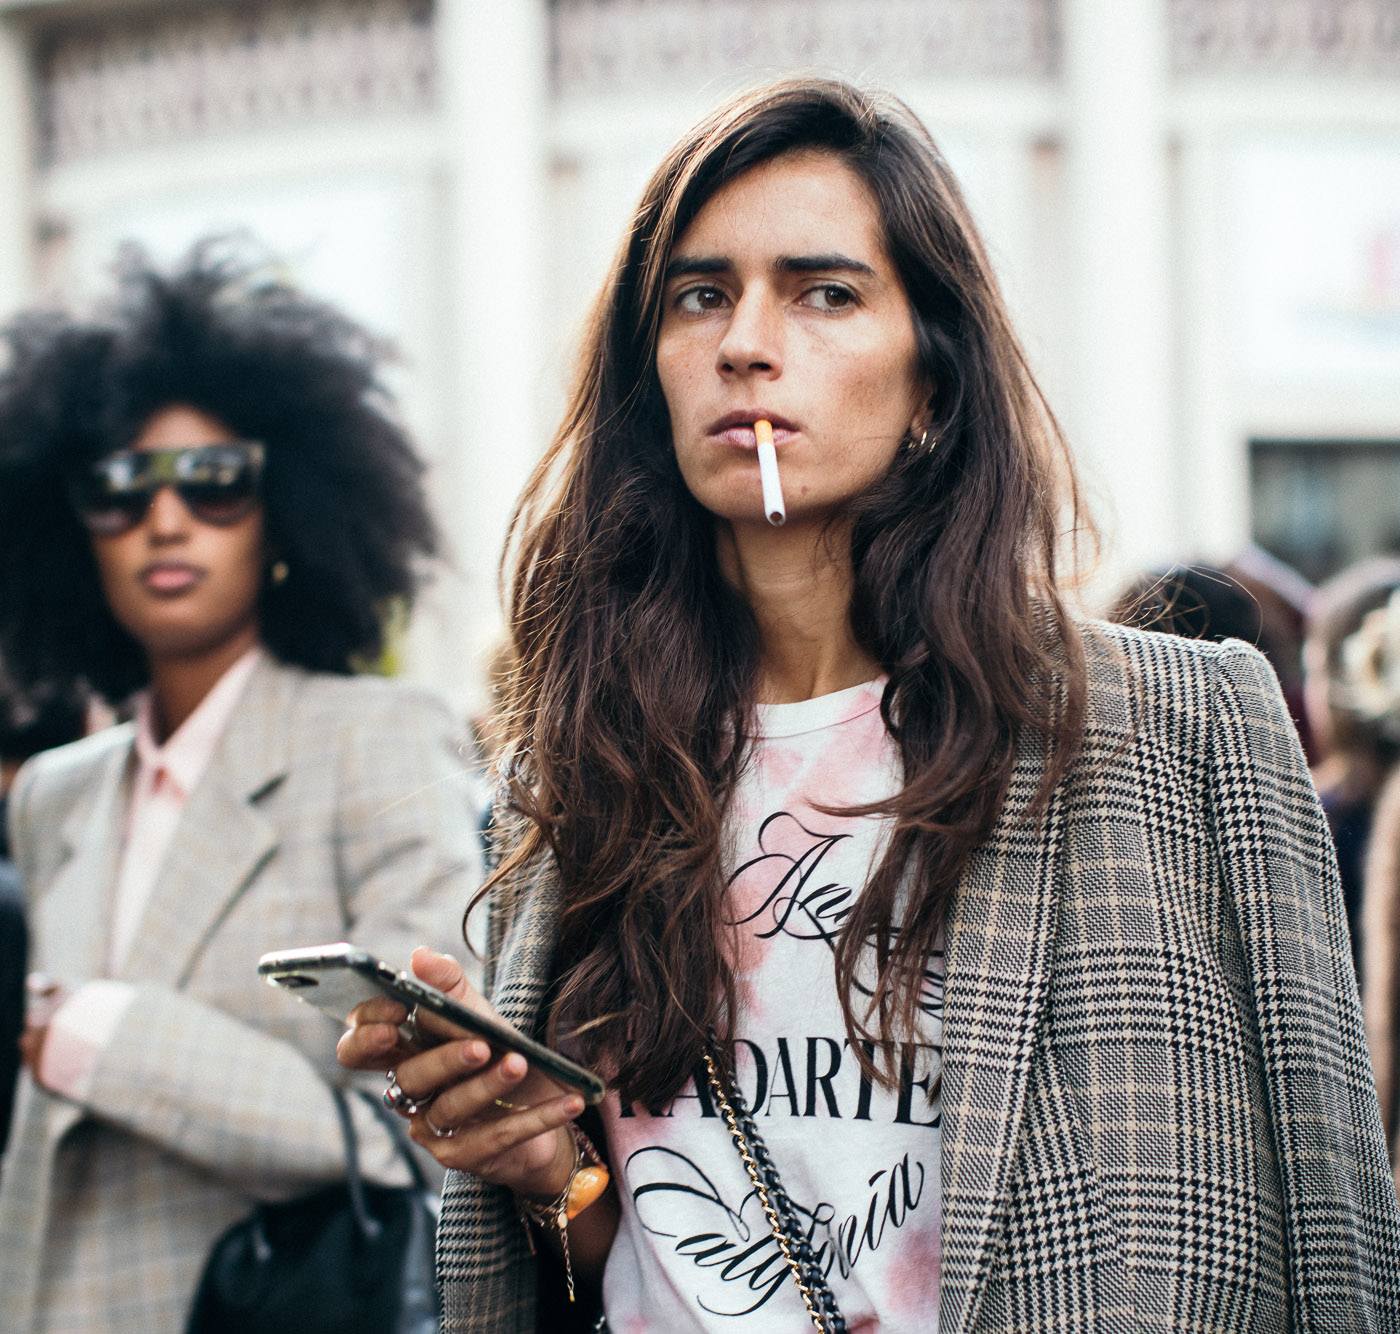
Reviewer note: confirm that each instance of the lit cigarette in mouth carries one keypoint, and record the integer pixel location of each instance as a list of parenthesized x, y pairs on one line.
[(773, 506)]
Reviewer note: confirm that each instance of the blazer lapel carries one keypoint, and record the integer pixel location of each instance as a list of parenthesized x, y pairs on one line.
[(525, 961), (999, 938), (222, 838), (74, 912)]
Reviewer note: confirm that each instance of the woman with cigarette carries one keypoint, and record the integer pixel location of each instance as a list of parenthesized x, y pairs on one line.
[(1017, 937)]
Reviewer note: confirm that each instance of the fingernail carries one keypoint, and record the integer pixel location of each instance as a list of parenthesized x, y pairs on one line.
[(571, 1107), (474, 1052), (514, 1066)]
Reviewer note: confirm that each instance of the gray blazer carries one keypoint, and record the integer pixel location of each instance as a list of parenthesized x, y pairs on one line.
[(334, 808), (1158, 1113)]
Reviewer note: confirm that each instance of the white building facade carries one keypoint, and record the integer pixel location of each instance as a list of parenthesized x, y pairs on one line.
[(1194, 207)]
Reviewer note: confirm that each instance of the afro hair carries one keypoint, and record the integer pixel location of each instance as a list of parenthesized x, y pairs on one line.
[(342, 490)]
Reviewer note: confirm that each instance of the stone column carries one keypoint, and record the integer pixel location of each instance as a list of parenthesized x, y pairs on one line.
[(1119, 363), (16, 172), (1214, 513), (493, 68)]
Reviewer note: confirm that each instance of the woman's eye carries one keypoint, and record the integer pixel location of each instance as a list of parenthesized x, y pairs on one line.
[(830, 296), (697, 299)]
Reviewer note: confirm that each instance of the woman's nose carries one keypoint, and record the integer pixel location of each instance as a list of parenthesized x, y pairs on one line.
[(167, 517), (752, 340)]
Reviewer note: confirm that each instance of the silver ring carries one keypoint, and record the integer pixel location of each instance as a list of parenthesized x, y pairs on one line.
[(408, 1030), (438, 1132), (396, 1100)]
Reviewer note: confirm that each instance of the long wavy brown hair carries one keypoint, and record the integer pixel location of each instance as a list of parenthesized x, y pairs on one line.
[(630, 707)]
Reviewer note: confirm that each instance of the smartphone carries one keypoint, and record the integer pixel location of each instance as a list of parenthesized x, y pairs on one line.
[(336, 978)]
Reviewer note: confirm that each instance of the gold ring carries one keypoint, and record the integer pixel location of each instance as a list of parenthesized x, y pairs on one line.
[(509, 1106)]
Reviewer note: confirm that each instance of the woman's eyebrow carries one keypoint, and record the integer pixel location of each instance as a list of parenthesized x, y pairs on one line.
[(686, 265), (834, 263)]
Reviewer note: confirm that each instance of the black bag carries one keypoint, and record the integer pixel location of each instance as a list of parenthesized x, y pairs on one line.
[(349, 1257)]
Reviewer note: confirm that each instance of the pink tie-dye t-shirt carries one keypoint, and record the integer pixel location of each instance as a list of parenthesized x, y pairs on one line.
[(861, 1163)]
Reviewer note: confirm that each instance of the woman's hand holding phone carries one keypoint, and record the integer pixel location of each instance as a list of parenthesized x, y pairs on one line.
[(476, 1112)]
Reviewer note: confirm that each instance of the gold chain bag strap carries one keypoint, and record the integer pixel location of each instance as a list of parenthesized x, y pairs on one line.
[(777, 1207)]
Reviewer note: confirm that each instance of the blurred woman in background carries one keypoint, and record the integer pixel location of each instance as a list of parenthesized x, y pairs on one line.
[(1355, 720), (1353, 657), (206, 500)]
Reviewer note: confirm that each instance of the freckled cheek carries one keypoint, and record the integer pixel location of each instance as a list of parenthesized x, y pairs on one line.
[(873, 410), (678, 388)]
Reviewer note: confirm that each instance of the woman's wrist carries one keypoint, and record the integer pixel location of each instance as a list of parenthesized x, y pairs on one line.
[(555, 1179), (584, 1179), (586, 1183)]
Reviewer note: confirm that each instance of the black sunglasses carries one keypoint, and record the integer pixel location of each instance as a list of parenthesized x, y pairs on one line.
[(218, 484)]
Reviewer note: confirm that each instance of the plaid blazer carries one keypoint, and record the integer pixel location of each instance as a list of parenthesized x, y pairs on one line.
[(1157, 1109), (333, 808)]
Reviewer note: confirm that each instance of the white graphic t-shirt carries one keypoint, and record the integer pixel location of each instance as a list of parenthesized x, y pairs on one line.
[(861, 1163)]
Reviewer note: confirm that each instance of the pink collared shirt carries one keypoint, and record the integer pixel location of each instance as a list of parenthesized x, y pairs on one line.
[(164, 777)]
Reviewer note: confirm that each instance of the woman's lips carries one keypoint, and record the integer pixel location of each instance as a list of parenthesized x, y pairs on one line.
[(737, 429), (742, 437), (168, 579)]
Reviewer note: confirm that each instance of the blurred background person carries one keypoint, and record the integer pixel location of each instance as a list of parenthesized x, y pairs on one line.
[(1353, 657), (36, 720), (205, 499), (1354, 719), (1254, 598), (1194, 601)]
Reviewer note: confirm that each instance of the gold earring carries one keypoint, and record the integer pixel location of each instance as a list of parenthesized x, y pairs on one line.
[(278, 574), (921, 443)]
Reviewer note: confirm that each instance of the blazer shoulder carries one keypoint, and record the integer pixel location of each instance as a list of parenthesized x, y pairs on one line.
[(1142, 684), (385, 736), (1128, 658), (53, 779), (371, 699), (1168, 651)]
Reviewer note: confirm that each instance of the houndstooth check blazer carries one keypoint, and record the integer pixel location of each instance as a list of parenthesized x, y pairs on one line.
[(1158, 1111)]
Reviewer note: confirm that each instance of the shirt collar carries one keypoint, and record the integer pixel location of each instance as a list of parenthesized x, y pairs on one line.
[(188, 750)]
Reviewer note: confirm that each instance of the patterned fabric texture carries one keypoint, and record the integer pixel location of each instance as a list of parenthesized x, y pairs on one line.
[(333, 808), (1158, 1111)]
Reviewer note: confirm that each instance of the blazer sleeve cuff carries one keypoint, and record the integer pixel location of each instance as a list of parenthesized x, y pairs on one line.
[(78, 1033)]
